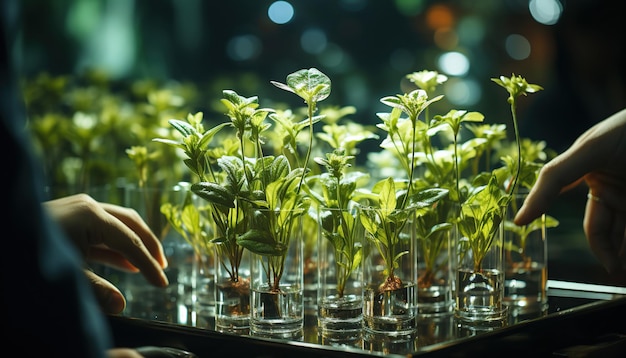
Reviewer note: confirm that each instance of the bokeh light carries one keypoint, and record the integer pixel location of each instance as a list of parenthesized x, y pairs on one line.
[(439, 16), (280, 12), (410, 7), (446, 38), (110, 41), (244, 47), (546, 12), (313, 41), (517, 47), (471, 31), (462, 91), (332, 57), (453, 63), (356, 90), (378, 42)]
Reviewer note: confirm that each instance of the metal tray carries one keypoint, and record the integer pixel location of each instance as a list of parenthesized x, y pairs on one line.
[(581, 320)]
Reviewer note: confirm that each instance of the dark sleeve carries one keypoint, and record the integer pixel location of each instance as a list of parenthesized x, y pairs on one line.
[(48, 301)]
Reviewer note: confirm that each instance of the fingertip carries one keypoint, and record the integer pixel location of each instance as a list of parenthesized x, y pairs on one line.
[(158, 254), (611, 267), (114, 302), (164, 280), (610, 261), (109, 297), (521, 218)]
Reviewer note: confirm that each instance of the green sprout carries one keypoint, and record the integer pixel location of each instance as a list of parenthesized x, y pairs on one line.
[(337, 219), (190, 222), (516, 86), (220, 191), (480, 218), (336, 191), (277, 201), (384, 224), (533, 159), (484, 209)]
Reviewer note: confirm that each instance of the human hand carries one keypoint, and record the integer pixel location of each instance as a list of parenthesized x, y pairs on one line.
[(123, 353), (149, 352), (597, 157), (112, 235)]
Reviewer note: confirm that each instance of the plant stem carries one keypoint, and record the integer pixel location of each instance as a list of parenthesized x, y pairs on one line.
[(513, 187), (311, 109), (456, 169), (413, 119)]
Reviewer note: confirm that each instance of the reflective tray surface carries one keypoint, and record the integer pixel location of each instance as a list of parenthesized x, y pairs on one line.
[(580, 318)]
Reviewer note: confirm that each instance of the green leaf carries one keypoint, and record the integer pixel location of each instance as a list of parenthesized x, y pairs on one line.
[(183, 127), (393, 102), (387, 198), (170, 142), (209, 134), (279, 168), (473, 117), (439, 228), (551, 222), (214, 193), (311, 85), (427, 80), (261, 242), (426, 197), (368, 219), (516, 85), (233, 168), (283, 86)]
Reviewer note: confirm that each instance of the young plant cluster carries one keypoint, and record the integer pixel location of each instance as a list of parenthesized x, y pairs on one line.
[(456, 155), (79, 123), (256, 174), (263, 169)]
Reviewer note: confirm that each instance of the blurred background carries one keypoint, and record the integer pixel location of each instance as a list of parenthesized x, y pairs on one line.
[(576, 50)]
